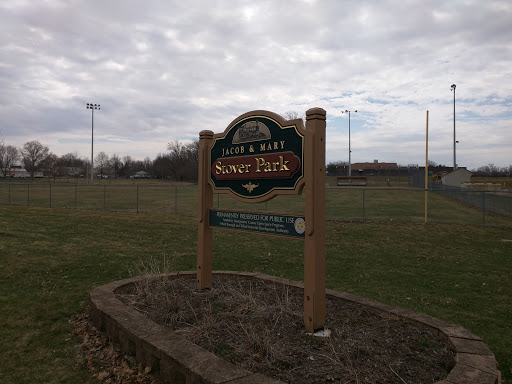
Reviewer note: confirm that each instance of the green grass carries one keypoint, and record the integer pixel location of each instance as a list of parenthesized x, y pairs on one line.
[(50, 259), (376, 204), (505, 182)]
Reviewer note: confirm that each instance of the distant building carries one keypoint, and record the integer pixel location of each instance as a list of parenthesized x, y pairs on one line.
[(140, 175), (457, 178), (374, 169), (16, 172), (74, 171)]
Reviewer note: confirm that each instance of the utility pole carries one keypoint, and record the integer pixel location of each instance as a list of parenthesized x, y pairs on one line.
[(454, 141), (92, 107)]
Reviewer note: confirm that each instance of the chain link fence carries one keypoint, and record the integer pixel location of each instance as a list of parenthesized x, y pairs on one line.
[(495, 202), (446, 205)]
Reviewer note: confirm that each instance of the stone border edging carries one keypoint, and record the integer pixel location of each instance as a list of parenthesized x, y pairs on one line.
[(180, 361)]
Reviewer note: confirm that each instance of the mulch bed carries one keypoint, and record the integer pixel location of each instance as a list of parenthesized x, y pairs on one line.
[(258, 325)]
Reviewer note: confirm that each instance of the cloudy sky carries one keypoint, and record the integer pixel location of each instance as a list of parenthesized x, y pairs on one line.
[(165, 70)]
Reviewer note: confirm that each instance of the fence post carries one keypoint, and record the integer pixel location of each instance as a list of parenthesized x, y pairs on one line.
[(175, 199), (364, 190), (483, 209)]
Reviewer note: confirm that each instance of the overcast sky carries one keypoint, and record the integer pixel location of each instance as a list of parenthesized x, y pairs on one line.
[(165, 70)]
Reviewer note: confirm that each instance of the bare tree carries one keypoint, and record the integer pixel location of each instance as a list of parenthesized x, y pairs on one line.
[(292, 115), (71, 164), (102, 162), (9, 156), (184, 159), (127, 166), (177, 157), (337, 167), (71, 160), (33, 153), (116, 163), (193, 159), (50, 165), (162, 166), (148, 164)]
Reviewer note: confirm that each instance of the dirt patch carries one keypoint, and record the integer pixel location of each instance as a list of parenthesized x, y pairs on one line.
[(258, 325)]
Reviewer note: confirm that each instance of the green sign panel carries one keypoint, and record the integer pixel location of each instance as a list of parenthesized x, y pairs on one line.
[(264, 222), (257, 157)]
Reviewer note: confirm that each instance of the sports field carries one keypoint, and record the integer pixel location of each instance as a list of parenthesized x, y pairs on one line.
[(374, 203), (51, 258)]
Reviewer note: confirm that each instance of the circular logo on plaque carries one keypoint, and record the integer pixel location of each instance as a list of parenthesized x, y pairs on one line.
[(300, 225)]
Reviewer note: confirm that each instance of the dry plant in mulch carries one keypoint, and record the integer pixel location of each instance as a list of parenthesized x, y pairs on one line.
[(258, 325)]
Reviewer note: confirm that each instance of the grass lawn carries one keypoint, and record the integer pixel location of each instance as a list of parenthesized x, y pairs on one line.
[(50, 259), (376, 204), (505, 182)]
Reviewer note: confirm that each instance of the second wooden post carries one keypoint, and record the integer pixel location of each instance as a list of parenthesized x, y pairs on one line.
[(314, 247)]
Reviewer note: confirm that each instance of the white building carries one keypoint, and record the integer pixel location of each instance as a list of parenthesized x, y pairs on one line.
[(457, 178), (16, 172)]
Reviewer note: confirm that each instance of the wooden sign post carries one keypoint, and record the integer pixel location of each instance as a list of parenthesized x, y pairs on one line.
[(314, 247), (259, 156)]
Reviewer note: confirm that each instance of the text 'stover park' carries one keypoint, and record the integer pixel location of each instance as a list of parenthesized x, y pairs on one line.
[(259, 156)]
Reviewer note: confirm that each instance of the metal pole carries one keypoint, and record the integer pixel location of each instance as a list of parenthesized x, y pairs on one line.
[(92, 107), (349, 151), (349, 148), (426, 173), (454, 141), (364, 199), (483, 209), (92, 147)]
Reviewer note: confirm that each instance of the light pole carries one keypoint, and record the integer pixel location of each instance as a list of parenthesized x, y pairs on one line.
[(454, 142), (92, 107), (349, 151)]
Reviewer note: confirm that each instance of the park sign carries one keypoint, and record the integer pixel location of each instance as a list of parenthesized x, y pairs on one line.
[(258, 156), (261, 155)]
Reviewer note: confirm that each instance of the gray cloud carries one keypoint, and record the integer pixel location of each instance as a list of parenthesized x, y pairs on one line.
[(167, 70)]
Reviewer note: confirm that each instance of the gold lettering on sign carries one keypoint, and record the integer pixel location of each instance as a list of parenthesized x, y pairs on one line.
[(221, 169), (275, 145), (233, 151), (274, 166)]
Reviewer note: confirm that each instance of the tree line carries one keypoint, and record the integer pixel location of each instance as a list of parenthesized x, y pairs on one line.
[(179, 163)]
